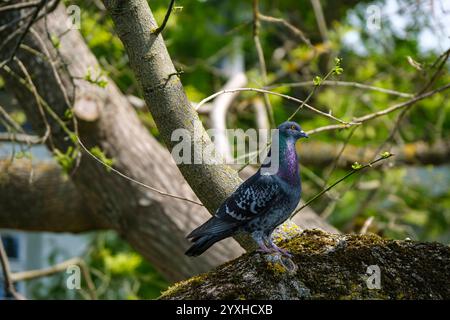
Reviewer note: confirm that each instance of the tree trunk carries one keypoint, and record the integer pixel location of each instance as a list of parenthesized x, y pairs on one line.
[(329, 266)]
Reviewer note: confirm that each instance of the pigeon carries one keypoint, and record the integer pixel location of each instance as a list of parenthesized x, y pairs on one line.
[(262, 202)]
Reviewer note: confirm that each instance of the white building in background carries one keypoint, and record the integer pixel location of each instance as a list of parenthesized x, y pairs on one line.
[(32, 250)]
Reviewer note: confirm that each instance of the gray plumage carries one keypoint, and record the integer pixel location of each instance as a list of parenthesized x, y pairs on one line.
[(259, 204)]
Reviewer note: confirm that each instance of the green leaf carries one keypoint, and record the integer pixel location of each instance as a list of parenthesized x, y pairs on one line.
[(386, 154), (55, 41), (356, 166), (97, 152), (67, 159), (338, 70), (68, 114), (317, 81), (99, 80)]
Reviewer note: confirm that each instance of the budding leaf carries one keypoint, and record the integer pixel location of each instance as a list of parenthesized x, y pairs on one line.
[(97, 152), (68, 114), (99, 80), (55, 41), (356, 166), (386, 154), (337, 66), (317, 80), (338, 70)]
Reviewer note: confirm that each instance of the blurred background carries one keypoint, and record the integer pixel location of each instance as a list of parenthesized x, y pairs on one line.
[(390, 51)]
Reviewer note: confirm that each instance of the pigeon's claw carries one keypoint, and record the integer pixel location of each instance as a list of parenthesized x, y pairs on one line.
[(276, 248), (263, 247), (283, 251)]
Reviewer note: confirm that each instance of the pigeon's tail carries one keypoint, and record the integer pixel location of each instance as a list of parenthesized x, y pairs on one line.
[(209, 233), (202, 244)]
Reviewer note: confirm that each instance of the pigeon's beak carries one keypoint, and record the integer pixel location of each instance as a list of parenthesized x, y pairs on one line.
[(303, 134)]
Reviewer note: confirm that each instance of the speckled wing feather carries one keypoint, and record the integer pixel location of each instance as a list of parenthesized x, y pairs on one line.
[(254, 197)]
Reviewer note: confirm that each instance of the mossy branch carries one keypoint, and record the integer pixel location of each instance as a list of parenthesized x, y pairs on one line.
[(329, 266)]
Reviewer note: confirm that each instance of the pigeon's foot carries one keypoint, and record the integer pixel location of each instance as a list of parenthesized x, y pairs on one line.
[(276, 258), (283, 251), (266, 250), (263, 248), (276, 248)]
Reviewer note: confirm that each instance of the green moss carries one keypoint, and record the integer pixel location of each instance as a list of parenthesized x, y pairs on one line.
[(179, 286), (276, 267)]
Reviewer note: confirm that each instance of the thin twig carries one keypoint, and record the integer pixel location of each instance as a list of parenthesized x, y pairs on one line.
[(361, 120), (24, 33), (20, 137), (10, 120), (74, 135), (262, 62), (9, 283), (34, 91), (443, 58), (44, 103), (311, 94), (350, 173), (166, 18), (17, 6), (211, 97), (341, 84), (163, 193), (60, 267), (336, 160), (296, 31), (401, 105), (318, 12), (366, 225)]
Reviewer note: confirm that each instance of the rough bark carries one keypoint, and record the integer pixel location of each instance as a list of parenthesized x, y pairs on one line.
[(38, 197), (166, 99), (329, 266)]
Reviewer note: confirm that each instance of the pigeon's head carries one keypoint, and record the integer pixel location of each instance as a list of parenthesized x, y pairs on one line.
[(290, 129)]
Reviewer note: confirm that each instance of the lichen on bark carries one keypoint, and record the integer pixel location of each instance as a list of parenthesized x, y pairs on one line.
[(329, 266)]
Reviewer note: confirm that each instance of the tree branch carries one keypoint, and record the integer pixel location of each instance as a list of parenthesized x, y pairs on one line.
[(341, 84), (166, 18), (401, 105), (57, 268), (328, 266), (37, 197)]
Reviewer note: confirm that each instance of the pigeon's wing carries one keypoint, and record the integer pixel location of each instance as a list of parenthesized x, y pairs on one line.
[(254, 197)]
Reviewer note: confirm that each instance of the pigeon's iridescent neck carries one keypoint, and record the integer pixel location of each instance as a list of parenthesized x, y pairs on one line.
[(288, 169)]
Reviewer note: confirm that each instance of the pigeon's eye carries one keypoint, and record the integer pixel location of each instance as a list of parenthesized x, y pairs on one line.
[(293, 127)]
